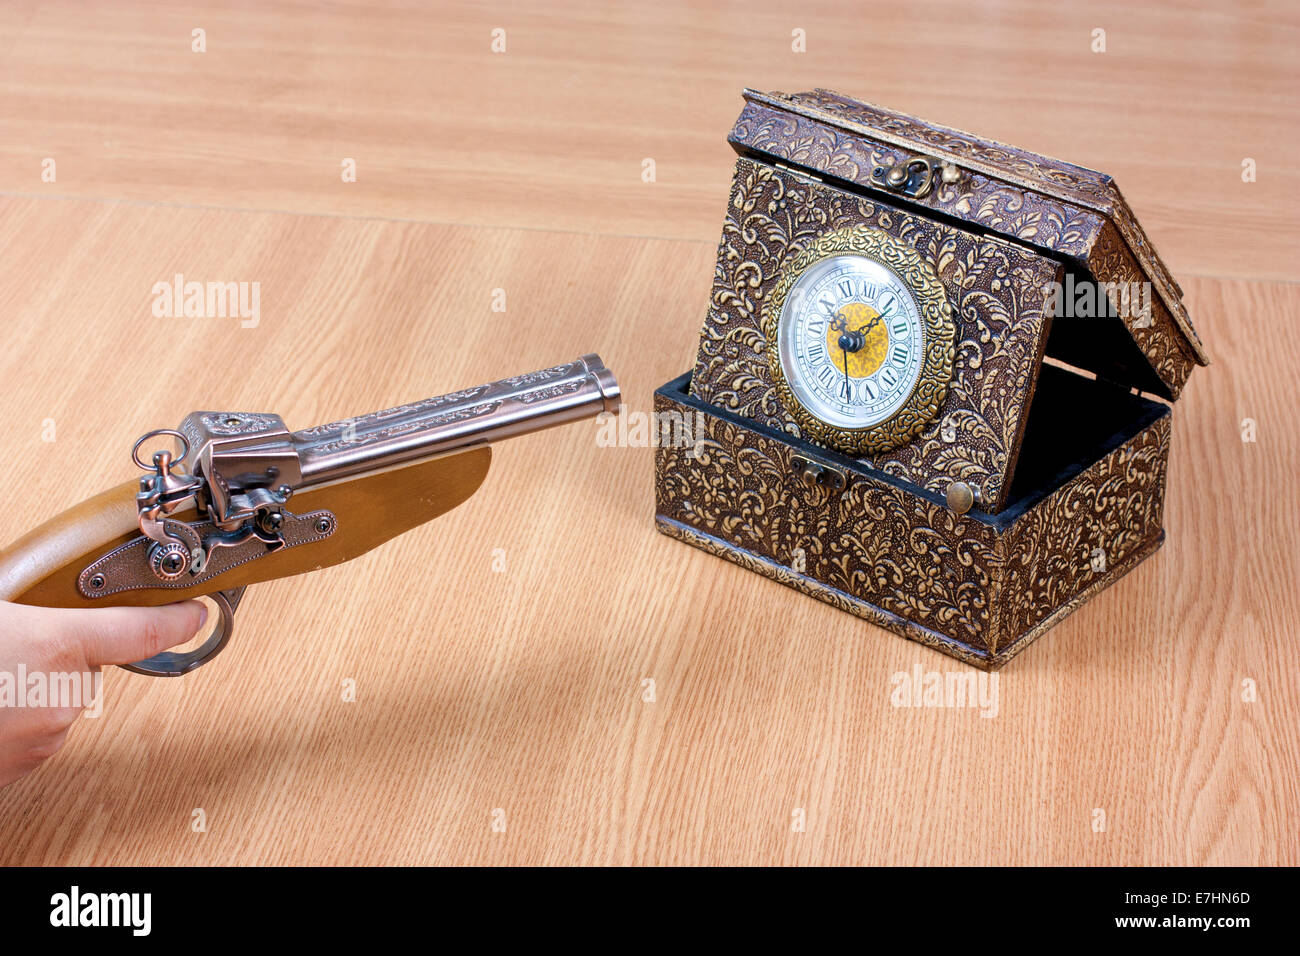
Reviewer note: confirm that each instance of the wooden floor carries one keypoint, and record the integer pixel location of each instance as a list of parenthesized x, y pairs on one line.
[(501, 713)]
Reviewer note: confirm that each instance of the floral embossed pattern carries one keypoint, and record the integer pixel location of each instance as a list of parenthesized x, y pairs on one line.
[(1051, 205), (903, 553), (972, 589), (997, 292), (1105, 518), (1024, 214), (1087, 187)]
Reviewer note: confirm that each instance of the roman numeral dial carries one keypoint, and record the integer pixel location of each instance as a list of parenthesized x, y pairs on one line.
[(852, 340), (851, 325)]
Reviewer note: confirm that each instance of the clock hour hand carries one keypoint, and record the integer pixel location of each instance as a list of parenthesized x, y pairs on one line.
[(851, 340)]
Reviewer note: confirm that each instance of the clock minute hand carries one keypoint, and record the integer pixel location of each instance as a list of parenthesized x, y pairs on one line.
[(866, 329), (845, 353), (876, 320)]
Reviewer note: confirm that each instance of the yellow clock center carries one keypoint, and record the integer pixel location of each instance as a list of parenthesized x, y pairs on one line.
[(860, 318)]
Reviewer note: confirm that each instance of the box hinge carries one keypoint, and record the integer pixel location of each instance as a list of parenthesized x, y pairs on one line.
[(815, 474), (799, 173)]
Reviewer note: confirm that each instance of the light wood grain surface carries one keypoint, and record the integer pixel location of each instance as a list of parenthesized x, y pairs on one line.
[(500, 654)]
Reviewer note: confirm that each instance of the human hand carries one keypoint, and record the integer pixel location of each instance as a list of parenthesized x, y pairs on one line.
[(58, 641)]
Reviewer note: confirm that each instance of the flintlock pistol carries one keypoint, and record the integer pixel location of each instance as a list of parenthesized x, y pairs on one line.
[(246, 500)]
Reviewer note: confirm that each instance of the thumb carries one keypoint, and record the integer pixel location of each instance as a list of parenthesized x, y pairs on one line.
[(124, 635)]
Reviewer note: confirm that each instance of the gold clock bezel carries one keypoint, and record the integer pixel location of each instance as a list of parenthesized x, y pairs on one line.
[(939, 333)]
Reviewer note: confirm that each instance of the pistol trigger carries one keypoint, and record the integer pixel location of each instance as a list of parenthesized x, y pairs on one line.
[(176, 663)]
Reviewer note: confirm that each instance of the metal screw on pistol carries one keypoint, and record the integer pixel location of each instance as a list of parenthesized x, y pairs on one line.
[(322, 525)]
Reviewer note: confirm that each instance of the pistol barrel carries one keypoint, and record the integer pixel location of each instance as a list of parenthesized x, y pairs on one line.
[(486, 413)]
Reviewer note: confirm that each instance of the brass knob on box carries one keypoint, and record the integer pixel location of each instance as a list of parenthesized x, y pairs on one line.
[(962, 497)]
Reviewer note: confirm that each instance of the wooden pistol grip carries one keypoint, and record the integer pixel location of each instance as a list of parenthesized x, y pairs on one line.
[(42, 566), (93, 527)]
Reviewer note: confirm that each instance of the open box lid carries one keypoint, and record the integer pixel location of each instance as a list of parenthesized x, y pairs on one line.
[(1140, 336)]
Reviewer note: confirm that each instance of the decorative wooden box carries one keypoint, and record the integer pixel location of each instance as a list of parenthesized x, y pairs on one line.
[(980, 494)]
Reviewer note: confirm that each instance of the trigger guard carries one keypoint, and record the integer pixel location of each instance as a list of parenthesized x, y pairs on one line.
[(176, 663)]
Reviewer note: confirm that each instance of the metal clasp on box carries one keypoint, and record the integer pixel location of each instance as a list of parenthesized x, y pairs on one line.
[(816, 475), (915, 177)]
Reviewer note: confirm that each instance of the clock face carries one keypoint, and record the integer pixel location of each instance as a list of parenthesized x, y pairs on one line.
[(852, 341), (860, 340)]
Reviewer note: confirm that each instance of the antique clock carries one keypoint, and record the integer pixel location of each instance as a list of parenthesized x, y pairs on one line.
[(879, 426), (859, 340)]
